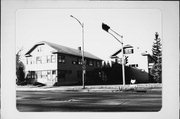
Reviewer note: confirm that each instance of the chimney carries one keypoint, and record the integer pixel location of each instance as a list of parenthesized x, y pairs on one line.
[(79, 48)]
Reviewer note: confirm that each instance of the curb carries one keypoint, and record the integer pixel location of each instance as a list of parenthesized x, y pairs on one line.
[(99, 88)]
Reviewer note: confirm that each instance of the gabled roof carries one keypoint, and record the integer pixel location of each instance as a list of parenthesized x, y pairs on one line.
[(128, 46), (117, 52), (64, 50)]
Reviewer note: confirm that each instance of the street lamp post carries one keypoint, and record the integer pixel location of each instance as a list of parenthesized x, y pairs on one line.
[(83, 62), (109, 30)]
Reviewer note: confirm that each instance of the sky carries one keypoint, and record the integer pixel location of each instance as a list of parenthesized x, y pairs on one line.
[(137, 26)]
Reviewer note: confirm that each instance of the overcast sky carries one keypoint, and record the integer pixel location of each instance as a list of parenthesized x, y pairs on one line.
[(137, 26)]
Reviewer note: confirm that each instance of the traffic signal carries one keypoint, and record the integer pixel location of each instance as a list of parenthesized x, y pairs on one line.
[(126, 59), (105, 27)]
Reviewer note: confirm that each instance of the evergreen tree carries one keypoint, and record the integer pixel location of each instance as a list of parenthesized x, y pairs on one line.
[(108, 65), (156, 71), (104, 64), (20, 75)]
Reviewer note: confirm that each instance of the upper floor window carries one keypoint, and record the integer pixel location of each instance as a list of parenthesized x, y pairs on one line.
[(29, 60), (49, 59), (79, 61), (90, 62), (98, 64), (128, 51), (38, 60), (53, 57), (44, 74), (61, 59)]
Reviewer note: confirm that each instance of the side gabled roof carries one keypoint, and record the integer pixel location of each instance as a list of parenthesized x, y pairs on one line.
[(128, 46), (119, 51), (64, 50)]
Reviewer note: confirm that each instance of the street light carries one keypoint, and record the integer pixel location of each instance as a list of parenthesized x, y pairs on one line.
[(83, 63), (109, 30)]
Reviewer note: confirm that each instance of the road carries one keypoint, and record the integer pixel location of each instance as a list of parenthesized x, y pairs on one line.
[(71, 101)]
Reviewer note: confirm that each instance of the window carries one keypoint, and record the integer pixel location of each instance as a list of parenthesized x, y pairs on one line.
[(49, 75), (79, 61), (33, 74), (133, 65), (61, 59), (90, 62), (74, 62), (29, 60), (48, 59), (53, 57), (53, 72), (39, 74), (128, 51), (38, 60), (98, 64)]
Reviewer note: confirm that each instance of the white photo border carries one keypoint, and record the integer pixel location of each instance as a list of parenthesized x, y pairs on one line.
[(170, 73)]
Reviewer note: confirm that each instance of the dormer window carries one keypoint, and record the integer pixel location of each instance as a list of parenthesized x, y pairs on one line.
[(98, 64)]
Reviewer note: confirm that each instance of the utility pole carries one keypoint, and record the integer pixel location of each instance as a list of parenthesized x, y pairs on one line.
[(109, 30)]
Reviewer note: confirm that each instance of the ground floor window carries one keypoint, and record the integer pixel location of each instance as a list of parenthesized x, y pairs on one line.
[(133, 65), (39, 74), (31, 75), (46, 74)]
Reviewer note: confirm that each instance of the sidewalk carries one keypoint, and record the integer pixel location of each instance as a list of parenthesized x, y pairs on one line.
[(94, 88)]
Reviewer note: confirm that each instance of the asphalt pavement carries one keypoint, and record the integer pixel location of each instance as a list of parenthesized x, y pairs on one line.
[(140, 100)]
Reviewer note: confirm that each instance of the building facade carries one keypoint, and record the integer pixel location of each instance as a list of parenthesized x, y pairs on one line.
[(51, 64), (134, 57)]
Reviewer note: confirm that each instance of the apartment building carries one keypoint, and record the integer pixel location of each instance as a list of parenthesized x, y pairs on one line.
[(50, 63)]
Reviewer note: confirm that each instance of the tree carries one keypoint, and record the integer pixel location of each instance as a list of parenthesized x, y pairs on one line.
[(156, 70), (20, 74), (104, 64), (108, 65)]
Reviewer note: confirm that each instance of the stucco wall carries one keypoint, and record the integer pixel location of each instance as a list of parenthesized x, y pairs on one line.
[(137, 58)]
